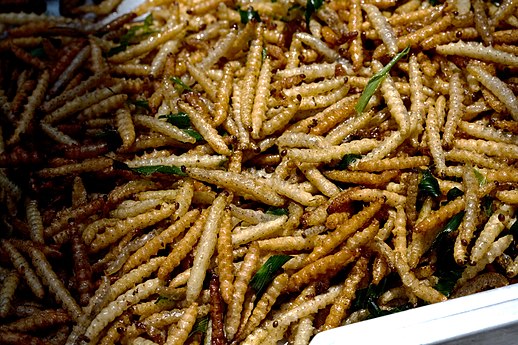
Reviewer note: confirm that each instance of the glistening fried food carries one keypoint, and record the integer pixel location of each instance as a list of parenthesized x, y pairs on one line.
[(279, 168)]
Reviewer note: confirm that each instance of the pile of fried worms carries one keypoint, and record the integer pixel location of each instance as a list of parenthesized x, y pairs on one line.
[(252, 171)]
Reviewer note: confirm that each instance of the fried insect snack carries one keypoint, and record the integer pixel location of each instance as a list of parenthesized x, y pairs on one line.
[(246, 172)]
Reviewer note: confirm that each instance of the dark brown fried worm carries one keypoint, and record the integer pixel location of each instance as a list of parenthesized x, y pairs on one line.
[(248, 172)]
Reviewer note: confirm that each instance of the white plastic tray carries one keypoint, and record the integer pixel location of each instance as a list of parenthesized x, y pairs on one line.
[(489, 317)]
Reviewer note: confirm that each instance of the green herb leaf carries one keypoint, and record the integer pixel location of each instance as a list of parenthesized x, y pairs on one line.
[(311, 7), (347, 160), (201, 325), (487, 205), (277, 211), (138, 31), (134, 34), (447, 271), (429, 184), (248, 15), (165, 169), (117, 49), (513, 230), (452, 225), (148, 21), (480, 177), (367, 298), (376, 80), (264, 54), (38, 52), (181, 85), (161, 299), (141, 103), (447, 281), (268, 272), (180, 120), (454, 193), (368, 295), (193, 133)]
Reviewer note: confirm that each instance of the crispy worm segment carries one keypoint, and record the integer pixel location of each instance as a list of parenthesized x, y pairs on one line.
[(160, 241), (508, 196), (163, 128), (469, 222), (260, 101), (306, 308), (400, 232), (117, 307), (216, 312), (253, 66), (182, 248), (224, 92), (318, 180), (355, 23), (434, 139), (23, 268), (395, 104), (225, 266), (264, 305), (153, 41), (248, 187), (417, 97), (105, 106), (323, 267), (365, 178), (82, 102), (178, 334), (35, 221), (395, 163), (456, 108), (328, 118), (494, 226), (480, 131), (280, 120), (49, 277), (7, 291), (39, 320), (206, 247), (329, 154), (209, 133), (248, 268), (33, 102), (497, 87), (478, 51), (125, 127), (344, 300), (135, 276), (409, 279), (383, 27), (112, 234), (495, 250), (333, 239), (203, 80), (258, 231), (427, 228), (88, 165)]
